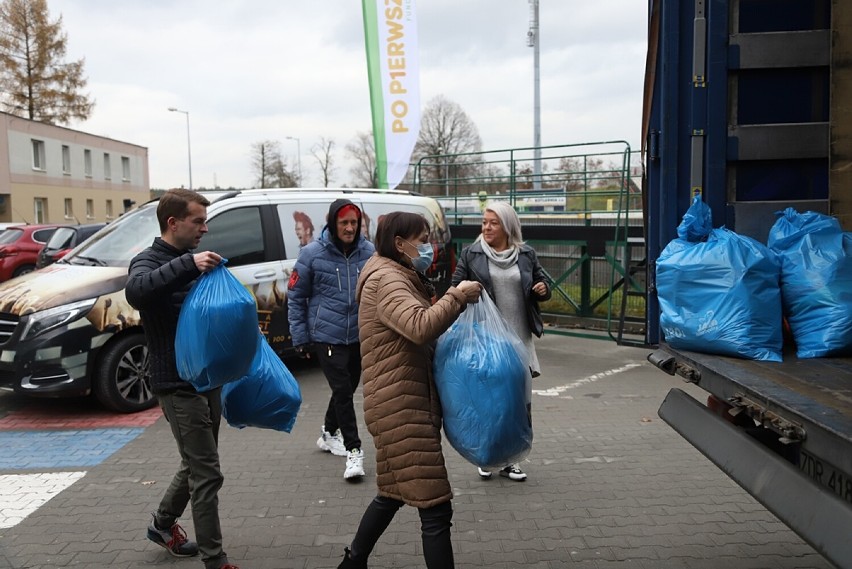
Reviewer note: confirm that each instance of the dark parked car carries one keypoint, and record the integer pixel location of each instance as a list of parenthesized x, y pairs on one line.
[(19, 248), (63, 240)]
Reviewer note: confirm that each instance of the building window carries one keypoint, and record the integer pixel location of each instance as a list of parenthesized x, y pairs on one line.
[(38, 155), (109, 209), (107, 167), (40, 208), (66, 159), (90, 209), (69, 208), (125, 168), (87, 162)]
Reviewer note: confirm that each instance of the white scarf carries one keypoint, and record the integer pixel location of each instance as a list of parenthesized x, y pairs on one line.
[(503, 259)]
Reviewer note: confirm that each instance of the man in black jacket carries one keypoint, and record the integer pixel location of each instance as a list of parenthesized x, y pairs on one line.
[(160, 278)]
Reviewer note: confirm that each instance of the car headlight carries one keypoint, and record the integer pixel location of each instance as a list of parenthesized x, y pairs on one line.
[(44, 320)]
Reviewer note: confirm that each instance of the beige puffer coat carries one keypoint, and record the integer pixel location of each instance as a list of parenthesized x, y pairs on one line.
[(397, 328)]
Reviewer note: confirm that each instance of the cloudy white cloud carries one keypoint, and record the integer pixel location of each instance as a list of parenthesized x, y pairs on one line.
[(254, 70)]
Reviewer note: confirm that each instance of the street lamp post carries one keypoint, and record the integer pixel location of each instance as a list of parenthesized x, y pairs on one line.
[(299, 158), (188, 147)]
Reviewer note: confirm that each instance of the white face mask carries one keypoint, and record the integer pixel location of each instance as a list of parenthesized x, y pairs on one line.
[(423, 261)]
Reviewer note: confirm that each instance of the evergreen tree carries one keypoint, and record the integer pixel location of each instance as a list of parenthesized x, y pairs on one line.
[(35, 80)]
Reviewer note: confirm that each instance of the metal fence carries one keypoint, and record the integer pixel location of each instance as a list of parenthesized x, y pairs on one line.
[(582, 283), (582, 215)]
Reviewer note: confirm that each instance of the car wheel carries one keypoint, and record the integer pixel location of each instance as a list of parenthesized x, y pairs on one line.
[(123, 377), (22, 270)]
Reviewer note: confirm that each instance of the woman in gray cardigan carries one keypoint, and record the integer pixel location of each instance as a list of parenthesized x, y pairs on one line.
[(509, 271)]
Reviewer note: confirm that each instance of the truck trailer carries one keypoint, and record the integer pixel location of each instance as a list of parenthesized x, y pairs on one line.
[(748, 104)]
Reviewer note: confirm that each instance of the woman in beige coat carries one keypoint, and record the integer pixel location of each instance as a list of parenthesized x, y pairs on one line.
[(398, 327)]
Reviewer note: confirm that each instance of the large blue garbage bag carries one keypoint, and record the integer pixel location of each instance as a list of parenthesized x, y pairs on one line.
[(697, 222), (721, 296), (483, 378), (217, 333), (268, 397), (816, 281)]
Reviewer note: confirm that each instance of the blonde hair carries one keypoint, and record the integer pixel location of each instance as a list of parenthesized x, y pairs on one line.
[(509, 220)]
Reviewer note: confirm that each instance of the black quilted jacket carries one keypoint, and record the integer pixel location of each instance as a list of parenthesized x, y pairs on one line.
[(160, 278)]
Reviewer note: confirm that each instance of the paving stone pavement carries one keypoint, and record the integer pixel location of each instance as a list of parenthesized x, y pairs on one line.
[(610, 486)]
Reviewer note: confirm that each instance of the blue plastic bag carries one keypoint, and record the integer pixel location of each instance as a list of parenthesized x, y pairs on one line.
[(721, 296), (268, 397), (697, 222), (816, 281), (484, 383), (217, 332)]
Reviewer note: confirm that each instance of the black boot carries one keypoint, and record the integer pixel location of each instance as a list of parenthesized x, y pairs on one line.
[(349, 563)]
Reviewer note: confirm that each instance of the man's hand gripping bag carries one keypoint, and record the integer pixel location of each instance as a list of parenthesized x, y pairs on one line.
[(217, 335)]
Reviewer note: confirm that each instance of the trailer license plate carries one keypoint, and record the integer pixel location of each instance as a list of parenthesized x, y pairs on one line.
[(826, 475)]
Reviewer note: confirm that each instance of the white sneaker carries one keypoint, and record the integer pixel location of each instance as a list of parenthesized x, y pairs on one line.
[(514, 472), (331, 443), (484, 474), (354, 464)]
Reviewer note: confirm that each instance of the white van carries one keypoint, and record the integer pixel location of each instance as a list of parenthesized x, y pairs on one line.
[(67, 329)]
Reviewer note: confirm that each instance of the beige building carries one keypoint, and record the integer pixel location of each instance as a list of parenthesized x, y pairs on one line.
[(53, 174)]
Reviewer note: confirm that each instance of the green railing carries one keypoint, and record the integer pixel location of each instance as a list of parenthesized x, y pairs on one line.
[(581, 282), (580, 171), (581, 213)]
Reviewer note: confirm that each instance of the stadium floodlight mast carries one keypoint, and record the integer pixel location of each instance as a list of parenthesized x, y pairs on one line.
[(533, 41)]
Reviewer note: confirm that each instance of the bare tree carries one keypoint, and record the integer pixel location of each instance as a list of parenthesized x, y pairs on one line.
[(281, 175), (445, 132), (578, 172), (362, 149), (262, 155), (269, 169), (322, 154), (446, 129), (35, 81)]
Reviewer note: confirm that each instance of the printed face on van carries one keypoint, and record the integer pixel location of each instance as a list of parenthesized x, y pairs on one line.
[(365, 225), (304, 234), (347, 227), (186, 233)]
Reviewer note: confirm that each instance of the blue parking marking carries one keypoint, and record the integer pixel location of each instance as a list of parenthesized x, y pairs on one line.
[(26, 450)]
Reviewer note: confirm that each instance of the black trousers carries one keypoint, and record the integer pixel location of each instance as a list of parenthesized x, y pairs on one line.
[(342, 368), (435, 524)]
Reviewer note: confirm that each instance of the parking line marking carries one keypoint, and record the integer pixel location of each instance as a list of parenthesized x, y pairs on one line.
[(557, 391), (23, 494)]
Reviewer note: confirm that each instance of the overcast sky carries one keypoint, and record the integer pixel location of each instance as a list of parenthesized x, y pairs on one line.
[(255, 70)]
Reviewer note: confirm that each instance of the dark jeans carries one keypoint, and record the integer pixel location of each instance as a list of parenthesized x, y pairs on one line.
[(342, 368), (435, 524), (194, 419)]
